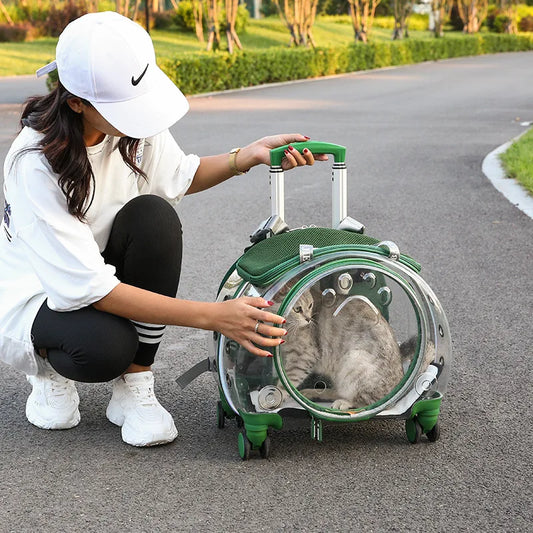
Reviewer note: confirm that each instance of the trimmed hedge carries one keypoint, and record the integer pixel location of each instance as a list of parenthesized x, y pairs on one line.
[(205, 72)]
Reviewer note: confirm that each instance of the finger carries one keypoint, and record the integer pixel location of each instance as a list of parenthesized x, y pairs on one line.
[(253, 349), (257, 301), (298, 157), (266, 341), (293, 138), (270, 331), (265, 316), (308, 156), (290, 161)]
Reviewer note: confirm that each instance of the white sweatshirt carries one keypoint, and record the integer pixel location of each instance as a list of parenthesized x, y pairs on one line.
[(46, 253)]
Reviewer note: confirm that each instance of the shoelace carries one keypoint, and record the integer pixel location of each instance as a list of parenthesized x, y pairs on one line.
[(144, 394), (57, 384)]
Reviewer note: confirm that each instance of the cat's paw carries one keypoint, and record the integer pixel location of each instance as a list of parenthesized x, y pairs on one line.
[(341, 405)]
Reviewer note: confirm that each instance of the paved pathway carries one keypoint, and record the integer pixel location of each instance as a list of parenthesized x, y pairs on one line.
[(416, 137)]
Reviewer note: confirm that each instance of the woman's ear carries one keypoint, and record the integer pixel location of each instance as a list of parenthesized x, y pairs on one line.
[(75, 104)]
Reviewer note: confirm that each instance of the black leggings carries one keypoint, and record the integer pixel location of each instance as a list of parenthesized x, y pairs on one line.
[(87, 345)]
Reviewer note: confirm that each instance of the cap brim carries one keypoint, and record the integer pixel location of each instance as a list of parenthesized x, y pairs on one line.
[(148, 114)]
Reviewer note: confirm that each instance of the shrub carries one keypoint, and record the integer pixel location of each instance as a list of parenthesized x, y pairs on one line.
[(183, 16), (58, 18), (501, 23), (415, 22), (163, 20), (526, 24), (14, 34), (204, 72), (332, 7), (493, 12)]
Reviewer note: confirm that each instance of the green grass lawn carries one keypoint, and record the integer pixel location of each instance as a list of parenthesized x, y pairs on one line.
[(518, 160), (25, 58)]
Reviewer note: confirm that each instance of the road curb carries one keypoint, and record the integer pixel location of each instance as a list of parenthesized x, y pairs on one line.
[(510, 188)]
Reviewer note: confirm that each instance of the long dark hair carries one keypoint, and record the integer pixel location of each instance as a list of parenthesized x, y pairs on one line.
[(64, 148)]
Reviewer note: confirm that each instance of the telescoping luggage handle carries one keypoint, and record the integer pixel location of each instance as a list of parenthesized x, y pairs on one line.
[(339, 202)]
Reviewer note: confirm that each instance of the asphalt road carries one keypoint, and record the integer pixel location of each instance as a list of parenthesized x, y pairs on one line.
[(416, 137)]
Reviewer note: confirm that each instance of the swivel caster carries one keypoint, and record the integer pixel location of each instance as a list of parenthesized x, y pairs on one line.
[(266, 448), (433, 434), (413, 430), (245, 446), (221, 416)]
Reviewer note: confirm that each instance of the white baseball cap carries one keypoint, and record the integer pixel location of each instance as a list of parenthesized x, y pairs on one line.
[(109, 60)]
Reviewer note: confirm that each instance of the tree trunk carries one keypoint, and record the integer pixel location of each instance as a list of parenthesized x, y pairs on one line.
[(6, 14), (362, 13), (440, 10), (299, 17), (231, 17), (402, 10), (213, 39), (472, 13), (197, 9)]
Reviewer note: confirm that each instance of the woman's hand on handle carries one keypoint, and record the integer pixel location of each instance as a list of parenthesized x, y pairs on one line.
[(244, 321), (259, 152)]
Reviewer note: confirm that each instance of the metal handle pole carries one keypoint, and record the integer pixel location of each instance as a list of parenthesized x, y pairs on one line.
[(277, 192), (339, 194)]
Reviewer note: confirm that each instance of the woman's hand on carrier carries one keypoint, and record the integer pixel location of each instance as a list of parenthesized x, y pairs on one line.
[(244, 321), (259, 151)]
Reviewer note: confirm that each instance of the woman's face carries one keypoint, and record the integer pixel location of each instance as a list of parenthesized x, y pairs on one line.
[(95, 126)]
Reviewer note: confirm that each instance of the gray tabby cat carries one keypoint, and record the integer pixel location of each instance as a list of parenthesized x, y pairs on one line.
[(352, 345)]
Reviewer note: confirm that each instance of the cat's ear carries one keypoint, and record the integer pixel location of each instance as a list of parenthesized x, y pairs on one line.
[(283, 291)]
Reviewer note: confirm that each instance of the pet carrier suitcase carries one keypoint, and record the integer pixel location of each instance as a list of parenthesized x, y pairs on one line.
[(344, 267)]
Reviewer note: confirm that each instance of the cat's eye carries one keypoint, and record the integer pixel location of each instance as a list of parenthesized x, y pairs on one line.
[(310, 305), (298, 309)]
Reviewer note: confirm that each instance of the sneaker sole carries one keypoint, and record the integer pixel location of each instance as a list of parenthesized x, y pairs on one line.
[(147, 442), (114, 414), (41, 423)]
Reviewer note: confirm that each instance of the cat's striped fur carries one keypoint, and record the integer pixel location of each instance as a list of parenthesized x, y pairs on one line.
[(352, 346)]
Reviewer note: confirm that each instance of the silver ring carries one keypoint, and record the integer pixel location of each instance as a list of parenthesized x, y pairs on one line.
[(257, 326)]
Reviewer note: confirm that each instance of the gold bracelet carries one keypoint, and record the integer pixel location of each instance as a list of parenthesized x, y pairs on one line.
[(232, 162)]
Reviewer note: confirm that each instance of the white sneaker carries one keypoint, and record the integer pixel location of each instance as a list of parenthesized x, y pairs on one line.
[(53, 402), (133, 405)]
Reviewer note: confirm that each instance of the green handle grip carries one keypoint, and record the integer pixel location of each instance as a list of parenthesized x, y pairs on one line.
[(316, 147)]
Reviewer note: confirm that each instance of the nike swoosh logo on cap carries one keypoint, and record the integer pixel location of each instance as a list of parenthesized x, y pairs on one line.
[(134, 81)]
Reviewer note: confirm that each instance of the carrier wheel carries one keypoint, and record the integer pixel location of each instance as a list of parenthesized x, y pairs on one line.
[(413, 430), (266, 448), (433, 434), (221, 415), (245, 446)]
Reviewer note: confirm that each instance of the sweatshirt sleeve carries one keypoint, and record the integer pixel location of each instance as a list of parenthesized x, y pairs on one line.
[(170, 171), (60, 248)]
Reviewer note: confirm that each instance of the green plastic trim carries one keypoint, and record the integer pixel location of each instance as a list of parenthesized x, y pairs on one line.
[(226, 277), (427, 411), (316, 147), (274, 273), (225, 405), (257, 424)]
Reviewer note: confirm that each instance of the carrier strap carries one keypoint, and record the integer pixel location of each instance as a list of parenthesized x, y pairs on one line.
[(193, 373)]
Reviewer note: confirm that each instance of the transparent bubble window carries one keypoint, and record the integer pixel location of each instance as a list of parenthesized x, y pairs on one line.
[(361, 337)]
